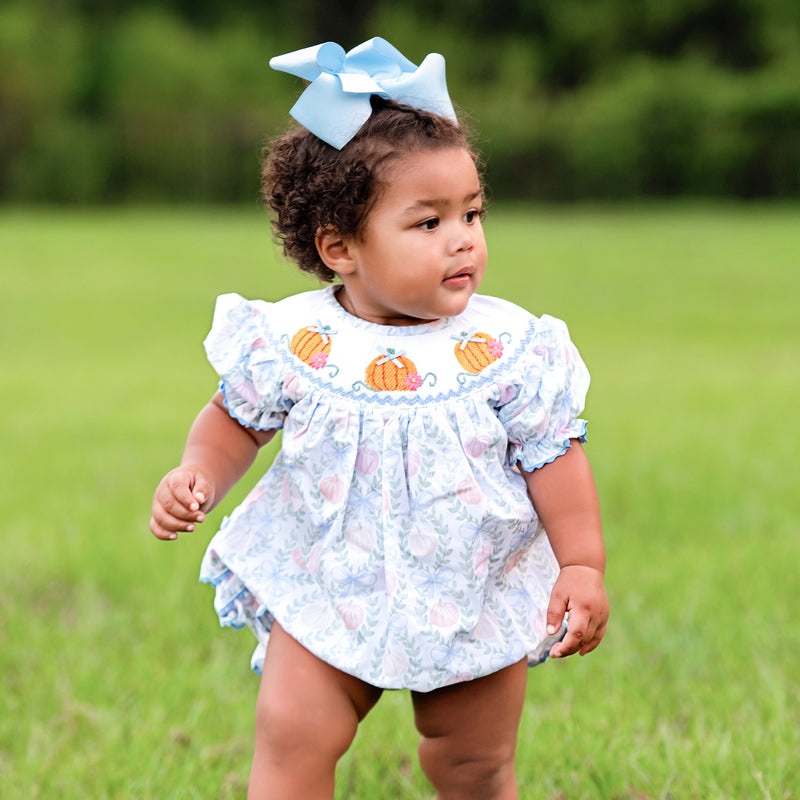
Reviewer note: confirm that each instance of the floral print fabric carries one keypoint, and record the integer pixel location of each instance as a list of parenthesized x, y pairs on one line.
[(393, 535)]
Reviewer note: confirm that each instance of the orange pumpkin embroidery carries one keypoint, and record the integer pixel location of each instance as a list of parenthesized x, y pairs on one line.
[(393, 372), (312, 344), (476, 350)]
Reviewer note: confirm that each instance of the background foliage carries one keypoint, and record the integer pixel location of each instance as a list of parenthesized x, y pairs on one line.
[(173, 100)]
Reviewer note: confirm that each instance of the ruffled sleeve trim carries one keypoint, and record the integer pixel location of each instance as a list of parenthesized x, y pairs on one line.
[(525, 457), (244, 354), (540, 405)]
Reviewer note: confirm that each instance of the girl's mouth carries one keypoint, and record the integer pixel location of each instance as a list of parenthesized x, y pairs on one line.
[(461, 278)]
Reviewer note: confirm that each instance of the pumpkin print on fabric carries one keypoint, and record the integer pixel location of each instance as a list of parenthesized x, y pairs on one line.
[(476, 350), (444, 615), (392, 371), (312, 344)]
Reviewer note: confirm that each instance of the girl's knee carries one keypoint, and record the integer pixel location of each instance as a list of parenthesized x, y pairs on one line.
[(455, 770), (469, 735), (288, 726)]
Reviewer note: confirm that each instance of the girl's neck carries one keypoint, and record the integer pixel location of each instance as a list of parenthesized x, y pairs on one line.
[(345, 301)]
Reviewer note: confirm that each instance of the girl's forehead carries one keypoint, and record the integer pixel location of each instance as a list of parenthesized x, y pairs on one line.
[(418, 181), (430, 155), (452, 165)]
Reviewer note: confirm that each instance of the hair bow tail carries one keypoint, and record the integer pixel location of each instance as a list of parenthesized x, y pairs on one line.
[(330, 113)]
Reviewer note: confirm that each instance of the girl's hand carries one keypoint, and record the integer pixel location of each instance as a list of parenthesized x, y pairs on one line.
[(578, 590), (179, 502), (219, 450)]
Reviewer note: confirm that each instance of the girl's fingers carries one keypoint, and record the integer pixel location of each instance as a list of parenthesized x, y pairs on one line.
[(184, 512), (555, 612), (176, 506), (578, 635), (176, 516), (167, 526), (582, 636), (179, 485), (179, 497), (570, 644), (161, 533), (594, 642), (201, 491)]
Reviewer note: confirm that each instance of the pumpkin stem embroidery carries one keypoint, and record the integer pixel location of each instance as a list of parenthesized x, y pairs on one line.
[(391, 355), (465, 337)]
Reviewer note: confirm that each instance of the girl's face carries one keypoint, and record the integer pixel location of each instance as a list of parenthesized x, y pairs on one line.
[(423, 253)]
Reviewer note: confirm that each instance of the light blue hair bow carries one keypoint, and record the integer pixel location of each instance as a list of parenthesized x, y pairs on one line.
[(336, 104)]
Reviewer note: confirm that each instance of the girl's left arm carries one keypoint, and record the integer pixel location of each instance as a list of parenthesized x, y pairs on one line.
[(565, 498)]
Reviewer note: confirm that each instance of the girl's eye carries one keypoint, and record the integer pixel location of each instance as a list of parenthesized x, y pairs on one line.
[(429, 224), (474, 214)]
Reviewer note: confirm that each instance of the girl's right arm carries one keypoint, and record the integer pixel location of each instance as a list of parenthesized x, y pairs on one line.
[(218, 452)]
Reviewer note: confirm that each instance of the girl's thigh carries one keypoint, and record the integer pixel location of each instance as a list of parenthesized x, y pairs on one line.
[(479, 715), (300, 691)]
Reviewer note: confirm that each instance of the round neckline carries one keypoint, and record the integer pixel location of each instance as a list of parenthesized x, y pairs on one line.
[(384, 330)]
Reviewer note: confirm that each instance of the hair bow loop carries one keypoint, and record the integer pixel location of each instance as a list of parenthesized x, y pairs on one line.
[(379, 58), (425, 88), (310, 62), (336, 102)]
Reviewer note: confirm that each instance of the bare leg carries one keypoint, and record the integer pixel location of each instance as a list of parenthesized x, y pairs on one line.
[(469, 735), (307, 714)]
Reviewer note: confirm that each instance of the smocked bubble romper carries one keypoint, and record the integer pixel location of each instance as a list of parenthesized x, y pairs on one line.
[(393, 535)]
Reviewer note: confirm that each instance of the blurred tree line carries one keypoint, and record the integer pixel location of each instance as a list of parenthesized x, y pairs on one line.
[(172, 100)]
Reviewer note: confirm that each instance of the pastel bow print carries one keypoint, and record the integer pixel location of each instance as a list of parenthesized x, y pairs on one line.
[(336, 103)]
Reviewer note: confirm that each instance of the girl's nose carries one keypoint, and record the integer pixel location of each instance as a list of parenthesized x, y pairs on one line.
[(462, 241)]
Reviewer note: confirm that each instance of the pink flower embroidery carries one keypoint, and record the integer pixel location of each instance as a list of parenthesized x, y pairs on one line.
[(495, 347), (319, 360), (413, 381)]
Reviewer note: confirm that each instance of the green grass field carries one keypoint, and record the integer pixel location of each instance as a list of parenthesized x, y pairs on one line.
[(116, 679)]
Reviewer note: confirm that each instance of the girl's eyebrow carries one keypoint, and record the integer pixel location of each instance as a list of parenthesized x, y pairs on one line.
[(437, 202)]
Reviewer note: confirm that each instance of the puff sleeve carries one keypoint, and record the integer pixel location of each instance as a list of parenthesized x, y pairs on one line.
[(241, 349), (540, 404)]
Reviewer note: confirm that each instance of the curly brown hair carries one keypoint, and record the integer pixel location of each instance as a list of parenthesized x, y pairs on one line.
[(311, 186)]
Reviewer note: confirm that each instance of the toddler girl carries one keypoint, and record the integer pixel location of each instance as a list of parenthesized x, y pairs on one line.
[(431, 518)]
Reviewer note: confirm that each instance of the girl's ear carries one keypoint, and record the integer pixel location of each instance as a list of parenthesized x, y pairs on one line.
[(334, 251)]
